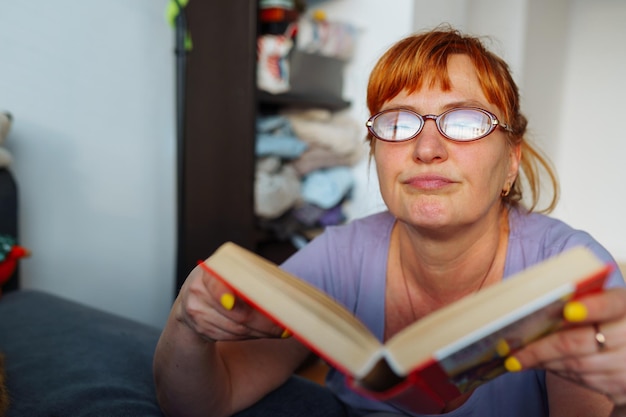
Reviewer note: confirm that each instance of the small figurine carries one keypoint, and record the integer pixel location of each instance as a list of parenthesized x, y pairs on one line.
[(10, 254)]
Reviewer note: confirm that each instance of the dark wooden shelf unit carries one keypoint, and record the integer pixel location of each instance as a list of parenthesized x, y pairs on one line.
[(221, 100)]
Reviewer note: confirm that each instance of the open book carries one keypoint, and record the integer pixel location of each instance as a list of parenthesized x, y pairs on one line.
[(449, 352)]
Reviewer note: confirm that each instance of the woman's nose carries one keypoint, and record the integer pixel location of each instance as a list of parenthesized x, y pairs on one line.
[(430, 145)]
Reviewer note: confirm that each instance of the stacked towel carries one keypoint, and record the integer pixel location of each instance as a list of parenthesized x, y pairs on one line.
[(304, 166)]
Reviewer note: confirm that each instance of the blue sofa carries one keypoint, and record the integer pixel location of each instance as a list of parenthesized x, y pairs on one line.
[(65, 359)]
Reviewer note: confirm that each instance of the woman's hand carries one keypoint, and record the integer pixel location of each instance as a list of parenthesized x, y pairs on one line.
[(208, 307), (592, 352), (196, 377)]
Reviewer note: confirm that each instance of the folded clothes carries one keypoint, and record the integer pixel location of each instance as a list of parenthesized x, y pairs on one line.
[(318, 157), (311, 216), (276, 188), (333, 216), (327, 187), (304, 158), (275, 123), (275, 137), (338, 132), (308, 214), (288, 147)]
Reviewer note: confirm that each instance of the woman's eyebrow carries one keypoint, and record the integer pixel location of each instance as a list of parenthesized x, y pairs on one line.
[(463, 103), (444, 107), (447, 106)]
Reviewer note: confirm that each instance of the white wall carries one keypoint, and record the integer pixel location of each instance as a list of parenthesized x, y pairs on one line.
[(592, 142), (90, 85)]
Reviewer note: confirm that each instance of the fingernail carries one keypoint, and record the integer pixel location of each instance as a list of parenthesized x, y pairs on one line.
[(575, 311), (502, 348), (286, 333), (228, 301), (512, 364)]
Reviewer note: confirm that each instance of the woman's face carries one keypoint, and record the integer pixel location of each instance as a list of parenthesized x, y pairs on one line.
[(434, 183)]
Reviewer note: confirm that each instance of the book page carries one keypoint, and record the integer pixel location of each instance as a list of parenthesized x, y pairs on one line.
[(322, 324), (480, 314)]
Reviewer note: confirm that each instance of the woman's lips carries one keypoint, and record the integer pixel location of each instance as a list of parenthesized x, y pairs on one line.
[(429, 182)]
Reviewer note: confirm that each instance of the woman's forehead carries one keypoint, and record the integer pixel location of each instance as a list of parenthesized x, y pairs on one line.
[(462, 88)]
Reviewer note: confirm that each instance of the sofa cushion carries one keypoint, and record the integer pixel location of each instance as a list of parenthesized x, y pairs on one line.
[(66, 359)]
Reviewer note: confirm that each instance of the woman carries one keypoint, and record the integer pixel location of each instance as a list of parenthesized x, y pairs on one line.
[(447, 136)]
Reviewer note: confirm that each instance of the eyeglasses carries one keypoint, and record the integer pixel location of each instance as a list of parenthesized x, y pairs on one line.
[(462, 124)]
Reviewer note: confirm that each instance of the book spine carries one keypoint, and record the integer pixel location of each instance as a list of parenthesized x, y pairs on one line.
[(414, 394), (438, 381)]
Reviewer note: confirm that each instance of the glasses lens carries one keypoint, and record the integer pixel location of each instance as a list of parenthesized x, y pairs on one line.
[(465, 124), (396, 125)]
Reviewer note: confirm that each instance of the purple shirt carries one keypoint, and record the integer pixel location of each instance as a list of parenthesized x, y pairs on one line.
[(349, 262)]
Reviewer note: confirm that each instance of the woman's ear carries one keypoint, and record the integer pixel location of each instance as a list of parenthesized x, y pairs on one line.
[(515, 156)]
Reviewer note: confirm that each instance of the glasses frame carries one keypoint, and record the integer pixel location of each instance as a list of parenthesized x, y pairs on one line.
[(436, 118)]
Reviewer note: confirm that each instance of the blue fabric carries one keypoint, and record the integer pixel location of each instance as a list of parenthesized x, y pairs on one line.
[(65, 359), (276, 137), (327, 187), (357, 253), (289, 147)]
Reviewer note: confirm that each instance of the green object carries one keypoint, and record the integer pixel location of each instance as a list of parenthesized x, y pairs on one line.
[(171, 13), (6, 244)]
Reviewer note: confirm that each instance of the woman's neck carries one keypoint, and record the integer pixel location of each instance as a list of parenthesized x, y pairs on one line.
[(439, 271)]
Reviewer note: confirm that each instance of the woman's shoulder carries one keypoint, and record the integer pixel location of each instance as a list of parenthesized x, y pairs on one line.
[(534, 226), (534, 237), (543, 231)]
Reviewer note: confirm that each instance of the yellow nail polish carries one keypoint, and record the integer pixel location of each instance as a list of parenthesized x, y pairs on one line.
[(575, 311), (286, 333), (228, 301), (512, 364), (502, 348)]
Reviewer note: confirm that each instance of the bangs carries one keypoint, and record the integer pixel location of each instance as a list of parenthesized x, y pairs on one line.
[(422, 61), (408, 66)]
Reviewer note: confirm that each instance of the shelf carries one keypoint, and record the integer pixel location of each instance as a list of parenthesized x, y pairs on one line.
[(266, 99)]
